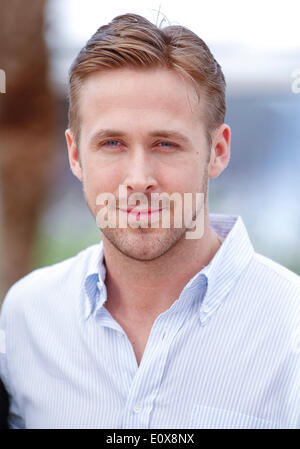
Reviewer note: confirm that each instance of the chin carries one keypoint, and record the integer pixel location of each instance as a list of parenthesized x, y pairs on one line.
[(143, 244)]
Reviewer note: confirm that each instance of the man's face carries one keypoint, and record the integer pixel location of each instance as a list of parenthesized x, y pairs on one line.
[(142, 129)]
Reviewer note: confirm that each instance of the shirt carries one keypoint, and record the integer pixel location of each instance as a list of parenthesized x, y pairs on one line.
[(224, 355)]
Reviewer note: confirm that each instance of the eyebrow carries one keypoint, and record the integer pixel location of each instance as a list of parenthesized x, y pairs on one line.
[(170, 134)]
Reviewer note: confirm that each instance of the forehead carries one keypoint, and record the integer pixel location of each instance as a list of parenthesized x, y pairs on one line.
[(147, 94)]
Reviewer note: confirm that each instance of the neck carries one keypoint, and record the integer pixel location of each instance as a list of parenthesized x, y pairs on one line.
[(138, 287)]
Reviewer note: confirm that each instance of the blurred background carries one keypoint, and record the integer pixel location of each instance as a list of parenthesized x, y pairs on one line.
[(43, 215)]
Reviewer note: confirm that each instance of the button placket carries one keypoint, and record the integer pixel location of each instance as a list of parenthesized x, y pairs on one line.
[(138, 413), (156, 353)]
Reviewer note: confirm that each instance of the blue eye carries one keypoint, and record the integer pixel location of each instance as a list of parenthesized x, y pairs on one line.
[(114, 142), (168, 144)]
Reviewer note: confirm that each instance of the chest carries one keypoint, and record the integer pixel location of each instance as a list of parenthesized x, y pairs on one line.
[(191, 378), (138, 337)]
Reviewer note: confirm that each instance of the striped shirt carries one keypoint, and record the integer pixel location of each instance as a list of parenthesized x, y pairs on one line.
[(226, 354)]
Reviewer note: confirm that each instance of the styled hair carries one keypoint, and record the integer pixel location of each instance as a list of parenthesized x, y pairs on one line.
[(132, 41)]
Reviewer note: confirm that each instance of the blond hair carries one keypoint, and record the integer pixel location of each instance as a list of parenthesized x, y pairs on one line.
[(130, 40)]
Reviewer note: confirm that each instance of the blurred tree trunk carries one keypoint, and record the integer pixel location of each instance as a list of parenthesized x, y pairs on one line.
[(26, 134)]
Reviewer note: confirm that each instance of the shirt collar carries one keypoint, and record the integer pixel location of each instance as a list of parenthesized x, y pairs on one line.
[(217, 278), (228, 263), (94, 285)]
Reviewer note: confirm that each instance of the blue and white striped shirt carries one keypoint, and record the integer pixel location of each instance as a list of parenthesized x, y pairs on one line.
[(226, 354)]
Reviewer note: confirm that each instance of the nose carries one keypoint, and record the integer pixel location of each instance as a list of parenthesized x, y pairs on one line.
[(140, 173)]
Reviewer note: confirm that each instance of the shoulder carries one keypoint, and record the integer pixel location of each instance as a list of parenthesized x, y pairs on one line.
[(270, 268), (47, 283), (275, 284)]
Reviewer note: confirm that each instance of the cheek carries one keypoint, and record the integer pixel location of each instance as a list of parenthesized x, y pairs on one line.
[(188, 177), (101, 179)]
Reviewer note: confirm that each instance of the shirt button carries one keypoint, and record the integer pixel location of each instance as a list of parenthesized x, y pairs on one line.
[(99, 285), (120, 334), (163, 335), (137, 408), (205, 308)]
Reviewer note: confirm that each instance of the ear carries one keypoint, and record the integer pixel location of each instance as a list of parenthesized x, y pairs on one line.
[(74, 158), (220, 151)]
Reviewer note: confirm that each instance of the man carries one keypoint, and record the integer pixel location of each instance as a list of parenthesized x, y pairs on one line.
[(152, 328)]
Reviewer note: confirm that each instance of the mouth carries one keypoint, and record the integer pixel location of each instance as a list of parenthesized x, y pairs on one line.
[(141, 215), (140, 212)]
